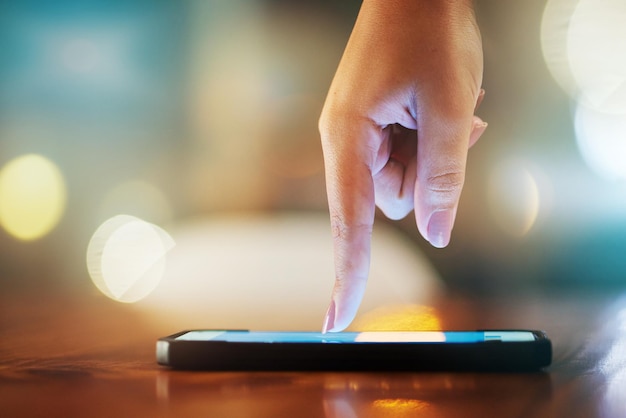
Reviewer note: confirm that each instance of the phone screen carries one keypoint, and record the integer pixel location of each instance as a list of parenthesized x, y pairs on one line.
[(359, 337)]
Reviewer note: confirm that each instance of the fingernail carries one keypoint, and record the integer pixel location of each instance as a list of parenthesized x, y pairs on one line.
[(440, 228), (329, 320), (477, 131), (480, 125), (481, 96)]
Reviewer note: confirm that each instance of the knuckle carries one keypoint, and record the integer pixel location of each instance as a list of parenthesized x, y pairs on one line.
[(323, 123), (330, 118), (447, 185), (344, 231), (331, 125), (338, 227)]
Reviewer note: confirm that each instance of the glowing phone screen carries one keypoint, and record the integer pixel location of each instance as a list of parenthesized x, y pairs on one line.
[(359, 337)]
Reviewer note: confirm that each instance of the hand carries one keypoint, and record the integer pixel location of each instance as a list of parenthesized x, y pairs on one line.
[(395, 130)]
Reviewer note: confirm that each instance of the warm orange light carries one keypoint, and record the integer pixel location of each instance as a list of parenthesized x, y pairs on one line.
[(400, 405), (401, 337), (399, 318)]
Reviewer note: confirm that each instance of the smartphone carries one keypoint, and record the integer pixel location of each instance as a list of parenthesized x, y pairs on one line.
[(484, 350)]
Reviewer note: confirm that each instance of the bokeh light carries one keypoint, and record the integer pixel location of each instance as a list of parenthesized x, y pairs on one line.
[(601, 138), (399, 407), (126, 257), (584, 45), (554, 38), (596, 47), (32, 196), (514, 198), (597, 51)]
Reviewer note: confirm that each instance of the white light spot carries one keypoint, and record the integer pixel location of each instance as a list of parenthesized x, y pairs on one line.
[(554, 34), (601, 139), (126, 257), (514, 198), (584, 44), (596, 46)]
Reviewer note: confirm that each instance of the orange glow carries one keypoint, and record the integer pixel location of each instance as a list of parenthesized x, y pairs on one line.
[(401, 337), (399, 318), (400, 405)]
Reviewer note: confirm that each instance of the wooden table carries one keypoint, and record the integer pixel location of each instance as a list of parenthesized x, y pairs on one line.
[(76, 354)]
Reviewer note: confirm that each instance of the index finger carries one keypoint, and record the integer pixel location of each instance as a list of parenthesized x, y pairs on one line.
[(348, 158)]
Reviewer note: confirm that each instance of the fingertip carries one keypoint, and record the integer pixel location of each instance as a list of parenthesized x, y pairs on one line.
[(329, 319), (347, 296), (336, 320), (439, 228)]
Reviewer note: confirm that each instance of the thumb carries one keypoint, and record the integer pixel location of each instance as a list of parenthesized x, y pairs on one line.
[(441, 160)]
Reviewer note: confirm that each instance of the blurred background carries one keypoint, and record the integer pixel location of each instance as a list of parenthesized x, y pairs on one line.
[(197, 120)]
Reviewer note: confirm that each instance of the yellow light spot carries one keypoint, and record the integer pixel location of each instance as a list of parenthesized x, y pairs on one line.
[(32, 197), (400, 405), (399, 318), (514, 198), (126, 257)]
